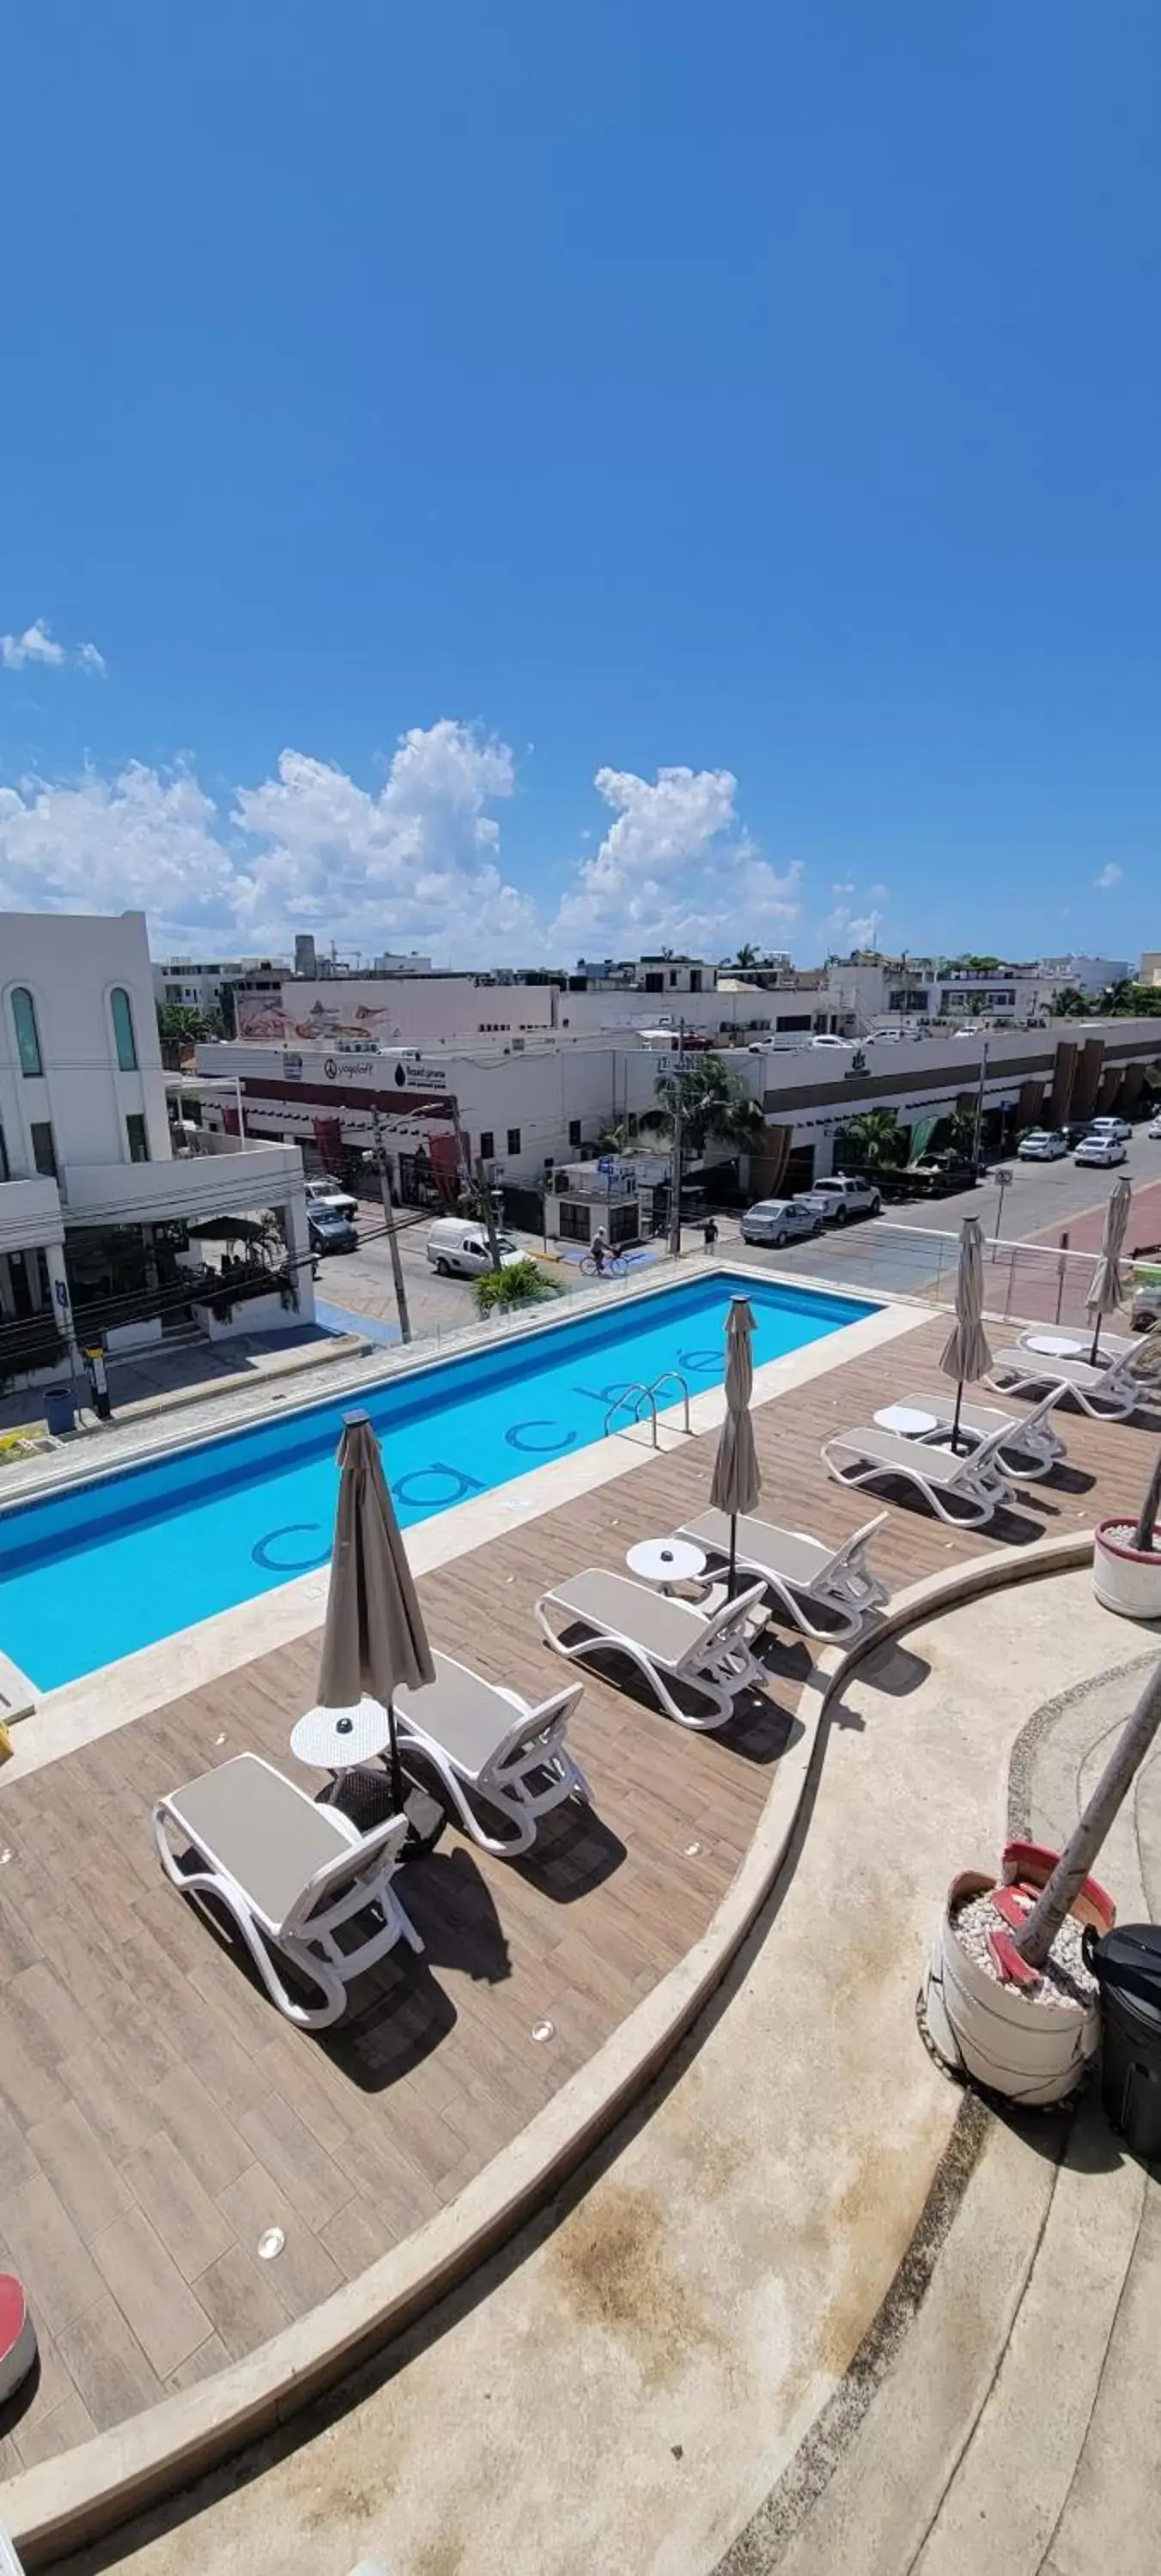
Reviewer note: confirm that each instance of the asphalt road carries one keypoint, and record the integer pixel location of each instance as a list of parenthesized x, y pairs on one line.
[(1040, 1195)]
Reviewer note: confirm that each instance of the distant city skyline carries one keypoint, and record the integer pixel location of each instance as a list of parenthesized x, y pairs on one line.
[(672, 477)]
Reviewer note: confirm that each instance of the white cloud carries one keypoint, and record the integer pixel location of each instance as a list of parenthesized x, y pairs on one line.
[(307, 848), (878, 893), (35, 645), (843, 885), (855, 929), (1109, 877), (674, 870), (414, 863), (38, 644)]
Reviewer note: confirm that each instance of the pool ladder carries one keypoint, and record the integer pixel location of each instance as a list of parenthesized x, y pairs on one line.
[(642, 1394)]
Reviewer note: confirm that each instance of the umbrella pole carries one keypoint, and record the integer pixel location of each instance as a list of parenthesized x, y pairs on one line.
[(955, 1418), (1096, 1335), (732, 1576)]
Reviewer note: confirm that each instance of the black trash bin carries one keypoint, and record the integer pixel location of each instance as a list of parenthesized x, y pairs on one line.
[(1127, 1966)]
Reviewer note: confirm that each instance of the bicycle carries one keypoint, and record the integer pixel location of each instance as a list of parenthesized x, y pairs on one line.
[(612, 1267)]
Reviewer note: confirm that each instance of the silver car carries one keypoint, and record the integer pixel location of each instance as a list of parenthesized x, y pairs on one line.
[(779, 1221)]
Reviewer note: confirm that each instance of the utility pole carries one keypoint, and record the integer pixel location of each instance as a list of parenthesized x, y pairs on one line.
[(678, 1144), (389, 1222), (977, 1139), (477, 1186)]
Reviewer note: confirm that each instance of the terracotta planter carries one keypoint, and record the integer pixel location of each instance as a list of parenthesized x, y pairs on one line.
[(1125, 1578), (1031, 2052)]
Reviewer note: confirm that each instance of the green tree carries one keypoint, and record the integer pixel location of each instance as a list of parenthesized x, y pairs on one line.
[(1070, 1004), (179, 1029), (747, 955), (519, 1283), (875, 1140), (715, 1104)]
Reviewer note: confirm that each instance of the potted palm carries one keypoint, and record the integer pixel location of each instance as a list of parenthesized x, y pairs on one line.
[(1009, 1998)]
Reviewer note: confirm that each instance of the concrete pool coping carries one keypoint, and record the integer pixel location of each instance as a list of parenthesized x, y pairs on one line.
[(75, 2497), (115, 1694)]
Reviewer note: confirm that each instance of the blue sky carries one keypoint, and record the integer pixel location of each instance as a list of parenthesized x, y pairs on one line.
[(558, 478)]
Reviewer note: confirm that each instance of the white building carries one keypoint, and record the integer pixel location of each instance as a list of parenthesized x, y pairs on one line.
[(96, 1212), (215, 983)]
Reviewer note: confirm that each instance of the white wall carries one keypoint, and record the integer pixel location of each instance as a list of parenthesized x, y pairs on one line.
[(70, 964)]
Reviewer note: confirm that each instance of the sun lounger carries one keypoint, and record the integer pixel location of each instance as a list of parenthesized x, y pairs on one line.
[(1111, 1347), (1108, 1394), (489, 1748), (966, 1490), (1030, 1447), (292, 1876), (670, 1642), (799, 1572)]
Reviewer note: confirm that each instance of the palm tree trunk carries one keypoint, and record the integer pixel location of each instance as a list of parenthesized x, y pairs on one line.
[(1035, 1939)]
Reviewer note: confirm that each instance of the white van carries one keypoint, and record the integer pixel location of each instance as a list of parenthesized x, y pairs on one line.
[(460, 1244)]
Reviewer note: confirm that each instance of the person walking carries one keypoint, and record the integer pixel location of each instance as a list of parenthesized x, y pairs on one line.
[(710, 1233)]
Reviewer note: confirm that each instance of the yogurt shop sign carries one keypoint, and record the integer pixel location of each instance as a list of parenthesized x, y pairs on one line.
[(380, 1073)]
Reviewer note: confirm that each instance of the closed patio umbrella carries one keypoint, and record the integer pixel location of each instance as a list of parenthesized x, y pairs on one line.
[(1108, 1286), (374, 1642), (736, 1482), (965, 1355)]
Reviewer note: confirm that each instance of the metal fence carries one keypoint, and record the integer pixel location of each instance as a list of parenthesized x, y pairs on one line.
[(1033, 1281)]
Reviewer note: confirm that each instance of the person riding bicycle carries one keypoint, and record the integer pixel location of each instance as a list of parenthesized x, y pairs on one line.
[(600, 1251)]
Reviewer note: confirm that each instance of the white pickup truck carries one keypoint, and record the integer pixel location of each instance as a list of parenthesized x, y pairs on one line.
[(841, 1197)]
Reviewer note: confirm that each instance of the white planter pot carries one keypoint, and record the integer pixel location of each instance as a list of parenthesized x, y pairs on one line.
[(1032, 2052), (1124, 1578)]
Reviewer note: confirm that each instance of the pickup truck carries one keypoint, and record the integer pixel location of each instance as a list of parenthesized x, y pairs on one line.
[(841, 1197)]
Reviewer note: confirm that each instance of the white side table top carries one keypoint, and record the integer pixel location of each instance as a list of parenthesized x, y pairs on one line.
[(907, 1420), (1055, 1346), (338, 1739), (666, 1561)]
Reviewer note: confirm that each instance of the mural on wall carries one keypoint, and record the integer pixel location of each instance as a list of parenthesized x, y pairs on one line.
[(260, 1016)]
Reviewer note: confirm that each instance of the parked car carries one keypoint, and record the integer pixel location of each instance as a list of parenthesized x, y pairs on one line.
[(459, 1246), (1118, 1127), (779, 1221), (841, 1197), (325, 1192), (1043, 1145), (1100, 1150), (938, 1176), (330, 1231), (1153, 1130)]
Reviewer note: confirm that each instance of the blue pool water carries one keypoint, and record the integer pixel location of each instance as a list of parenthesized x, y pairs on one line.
[(136, 1555)]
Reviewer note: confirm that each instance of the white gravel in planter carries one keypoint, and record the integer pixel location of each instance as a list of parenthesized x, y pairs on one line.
[(1120, 1534), (1065, 1981)]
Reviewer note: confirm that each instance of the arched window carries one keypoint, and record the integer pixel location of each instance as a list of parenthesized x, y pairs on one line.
[(122, 1010), (27, 1033)]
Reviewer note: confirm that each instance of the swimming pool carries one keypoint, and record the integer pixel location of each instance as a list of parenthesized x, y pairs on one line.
[(134, 1556)]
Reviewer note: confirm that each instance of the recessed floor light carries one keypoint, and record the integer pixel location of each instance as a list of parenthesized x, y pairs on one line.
[(270, 2243), (544, 2030)]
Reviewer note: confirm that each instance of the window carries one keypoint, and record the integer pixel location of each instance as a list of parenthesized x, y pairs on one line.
[(673, 975), (43, 1149), (513, 1140), (574, 1131), (138, 1135), (27, 1033), (487, 1145), (575, 1221), (655, 983), (695, 980), (122, 1010)]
